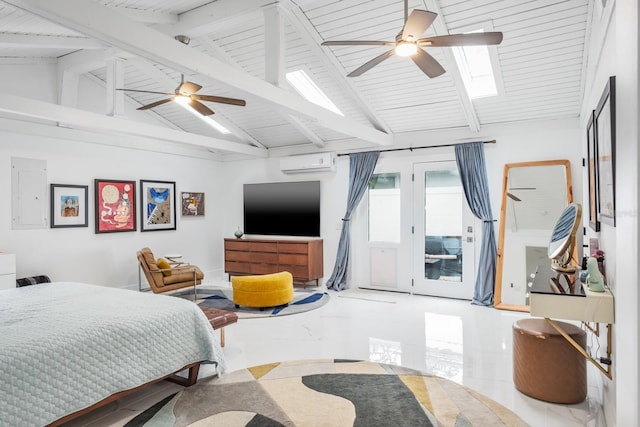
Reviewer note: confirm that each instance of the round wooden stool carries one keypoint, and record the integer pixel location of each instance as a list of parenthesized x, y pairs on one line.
[(545, 365)]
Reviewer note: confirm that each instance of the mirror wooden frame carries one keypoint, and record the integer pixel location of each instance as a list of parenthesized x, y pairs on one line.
[(497, 297)]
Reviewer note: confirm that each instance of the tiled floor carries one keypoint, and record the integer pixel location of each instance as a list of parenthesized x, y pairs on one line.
[(468, 344)]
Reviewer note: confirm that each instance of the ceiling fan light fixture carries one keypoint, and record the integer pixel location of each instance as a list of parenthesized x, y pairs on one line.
[(406, 49), (182, 99)]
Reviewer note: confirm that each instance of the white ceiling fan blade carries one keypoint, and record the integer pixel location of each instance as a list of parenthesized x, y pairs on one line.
[(417, 24), (428, 64), (368, 65)]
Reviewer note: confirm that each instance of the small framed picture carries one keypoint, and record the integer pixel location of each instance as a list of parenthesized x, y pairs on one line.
[(115, 205), (157, 205), (192, 204), (69, 205)]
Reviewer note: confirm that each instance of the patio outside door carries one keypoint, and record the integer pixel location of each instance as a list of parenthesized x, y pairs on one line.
[(443, 234)]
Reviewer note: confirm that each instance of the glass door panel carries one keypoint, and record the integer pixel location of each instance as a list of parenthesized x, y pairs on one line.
[(443, 234)]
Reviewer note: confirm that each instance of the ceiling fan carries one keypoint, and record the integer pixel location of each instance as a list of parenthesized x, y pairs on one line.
[(186, 93), (516, 198), (409, 43)]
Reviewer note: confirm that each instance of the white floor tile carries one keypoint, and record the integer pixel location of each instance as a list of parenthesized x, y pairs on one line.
[(469, 344)]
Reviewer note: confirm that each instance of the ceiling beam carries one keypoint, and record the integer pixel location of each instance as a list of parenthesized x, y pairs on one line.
[(106, 25), (81, 119), (147, 17), (274, 68), (274, 45), (214, 16), (131, 142), (306, 30), (440, 28), (49, 42), (85, 61)]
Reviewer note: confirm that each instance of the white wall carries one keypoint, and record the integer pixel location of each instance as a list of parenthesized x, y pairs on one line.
[(78, 254), (553, 139), (614, 52), (333, 194)]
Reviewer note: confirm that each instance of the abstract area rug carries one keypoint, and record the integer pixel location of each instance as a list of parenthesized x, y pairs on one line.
[(223, 299), (327, 392)]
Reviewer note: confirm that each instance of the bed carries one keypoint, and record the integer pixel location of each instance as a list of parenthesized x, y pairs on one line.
[(65, 347)]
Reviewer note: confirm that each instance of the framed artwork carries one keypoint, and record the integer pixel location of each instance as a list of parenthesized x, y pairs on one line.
[(69, 205), (592, 167), (157, 205), (605, 124), (192, 204), (115, 203)]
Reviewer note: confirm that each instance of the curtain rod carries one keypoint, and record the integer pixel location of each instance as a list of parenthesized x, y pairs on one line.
[(493, 141)]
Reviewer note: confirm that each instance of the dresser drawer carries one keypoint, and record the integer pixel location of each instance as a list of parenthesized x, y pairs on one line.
[(264, 258), (236, 267), (237, 256), (237, 245), (264, 247), (293, 248), (298, 271), (293, 259), (7, 263), (264, 268)]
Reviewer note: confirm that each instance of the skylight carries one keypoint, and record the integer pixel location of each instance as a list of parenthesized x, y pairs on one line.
[(303, 84), (476, 69), (208, 120)]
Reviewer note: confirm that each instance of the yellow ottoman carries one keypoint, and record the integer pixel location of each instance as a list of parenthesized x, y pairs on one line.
[(265, 290)]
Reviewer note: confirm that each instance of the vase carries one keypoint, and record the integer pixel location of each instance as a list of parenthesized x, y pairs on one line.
[(238, 233)]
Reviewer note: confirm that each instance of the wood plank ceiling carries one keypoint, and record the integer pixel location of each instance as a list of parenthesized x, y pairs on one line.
[(541, 63)]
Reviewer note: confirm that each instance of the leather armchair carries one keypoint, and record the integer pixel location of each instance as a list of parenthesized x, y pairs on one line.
[(166, 279)]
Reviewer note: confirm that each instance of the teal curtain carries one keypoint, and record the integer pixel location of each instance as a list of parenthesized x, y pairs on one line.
[(361, 166)]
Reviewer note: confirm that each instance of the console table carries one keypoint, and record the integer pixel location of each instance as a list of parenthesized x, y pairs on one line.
[(303, 258), (581, 304)]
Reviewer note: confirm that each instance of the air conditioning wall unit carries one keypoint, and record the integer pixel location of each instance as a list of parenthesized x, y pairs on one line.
[(320, 162)]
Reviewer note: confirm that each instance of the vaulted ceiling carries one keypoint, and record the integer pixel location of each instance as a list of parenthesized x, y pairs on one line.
[(242, 49)]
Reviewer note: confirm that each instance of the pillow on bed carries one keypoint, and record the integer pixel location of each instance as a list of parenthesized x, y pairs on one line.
[(163, 264)]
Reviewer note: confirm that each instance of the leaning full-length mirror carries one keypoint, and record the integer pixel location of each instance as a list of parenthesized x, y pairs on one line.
[(534, 195)]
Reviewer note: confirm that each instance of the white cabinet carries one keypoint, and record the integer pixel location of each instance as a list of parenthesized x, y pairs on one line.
[(7, 271)]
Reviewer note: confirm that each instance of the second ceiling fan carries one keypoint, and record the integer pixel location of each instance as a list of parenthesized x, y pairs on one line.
[(186, 93), (408, 43)]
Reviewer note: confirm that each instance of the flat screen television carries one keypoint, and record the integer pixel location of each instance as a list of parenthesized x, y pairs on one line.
[(282, 208)]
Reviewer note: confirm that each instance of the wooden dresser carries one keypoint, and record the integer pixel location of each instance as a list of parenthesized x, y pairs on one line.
[(301, 257)]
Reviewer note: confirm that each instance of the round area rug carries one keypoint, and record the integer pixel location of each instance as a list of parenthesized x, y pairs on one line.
[(327, 392), (223, 299)]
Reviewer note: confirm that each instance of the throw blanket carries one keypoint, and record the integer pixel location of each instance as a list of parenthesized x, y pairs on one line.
[(66, 346)]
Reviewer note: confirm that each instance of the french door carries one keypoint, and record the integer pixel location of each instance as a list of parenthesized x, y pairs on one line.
[(443, 247)]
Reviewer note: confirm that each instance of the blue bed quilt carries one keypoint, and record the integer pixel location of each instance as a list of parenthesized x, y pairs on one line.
[(65, 346)]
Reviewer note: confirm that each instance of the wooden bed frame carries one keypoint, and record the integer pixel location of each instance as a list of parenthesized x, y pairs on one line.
[(189, 380)]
